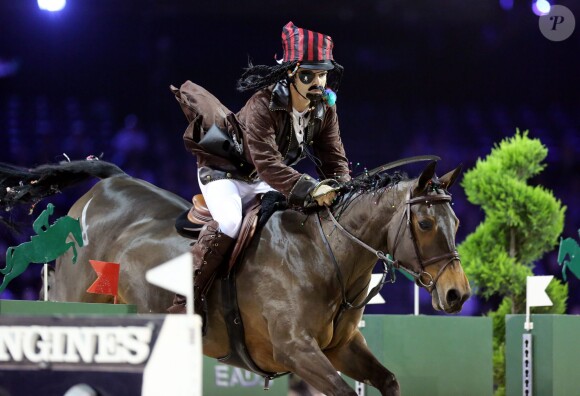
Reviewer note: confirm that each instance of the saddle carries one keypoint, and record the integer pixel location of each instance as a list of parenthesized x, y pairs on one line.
[(190, 223)]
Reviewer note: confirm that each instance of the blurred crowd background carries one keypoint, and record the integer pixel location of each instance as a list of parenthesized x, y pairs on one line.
[(450, 78)]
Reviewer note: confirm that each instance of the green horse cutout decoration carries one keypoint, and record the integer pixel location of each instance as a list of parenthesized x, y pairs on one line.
[(569, 256), (50, 243)]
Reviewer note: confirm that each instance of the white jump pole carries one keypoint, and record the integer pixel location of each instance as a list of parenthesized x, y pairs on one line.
[(416, 290), (45, 280)]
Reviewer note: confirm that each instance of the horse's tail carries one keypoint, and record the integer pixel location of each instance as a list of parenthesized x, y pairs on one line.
[(20, 185)]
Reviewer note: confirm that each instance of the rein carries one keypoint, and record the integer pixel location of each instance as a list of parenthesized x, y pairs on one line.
[(388, 263)]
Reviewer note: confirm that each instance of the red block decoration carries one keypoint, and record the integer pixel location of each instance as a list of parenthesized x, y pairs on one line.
[(107, 278)]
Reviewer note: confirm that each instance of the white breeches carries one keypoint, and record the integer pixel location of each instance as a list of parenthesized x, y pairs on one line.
[(227, 199)]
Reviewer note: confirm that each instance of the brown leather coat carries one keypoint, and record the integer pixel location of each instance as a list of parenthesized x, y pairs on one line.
[(264, 126)]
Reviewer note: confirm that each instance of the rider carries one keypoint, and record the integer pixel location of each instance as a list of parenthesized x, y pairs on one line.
[(290, 116), (41, 224)]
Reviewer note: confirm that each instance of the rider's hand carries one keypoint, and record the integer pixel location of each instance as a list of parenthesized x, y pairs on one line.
[(324, 195)]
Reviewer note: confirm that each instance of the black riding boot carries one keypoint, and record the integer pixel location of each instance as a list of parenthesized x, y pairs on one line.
[(211, 249)]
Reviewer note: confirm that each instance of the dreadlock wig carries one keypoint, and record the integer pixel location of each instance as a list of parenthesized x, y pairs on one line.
[(256, 77)]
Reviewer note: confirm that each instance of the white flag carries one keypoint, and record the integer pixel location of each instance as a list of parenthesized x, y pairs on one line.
[(375, 279), (536, 291), (175, 275)]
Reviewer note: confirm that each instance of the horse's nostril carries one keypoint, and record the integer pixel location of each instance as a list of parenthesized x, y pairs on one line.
[(453, 297)]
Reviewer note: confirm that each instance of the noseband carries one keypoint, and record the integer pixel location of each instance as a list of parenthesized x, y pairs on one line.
[(390, 263)]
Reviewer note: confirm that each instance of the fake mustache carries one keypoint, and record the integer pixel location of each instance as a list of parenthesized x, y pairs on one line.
[(316, 87)]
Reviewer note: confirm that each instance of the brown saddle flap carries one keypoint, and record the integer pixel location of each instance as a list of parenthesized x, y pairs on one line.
[(249, 225), (199, 214)]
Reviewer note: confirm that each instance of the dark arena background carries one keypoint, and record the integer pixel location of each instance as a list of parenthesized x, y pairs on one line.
[(450, 78)]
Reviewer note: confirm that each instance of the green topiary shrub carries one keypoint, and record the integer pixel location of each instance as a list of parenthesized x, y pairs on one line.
[(522, 222)]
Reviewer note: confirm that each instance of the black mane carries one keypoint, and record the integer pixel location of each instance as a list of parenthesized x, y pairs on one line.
[(365, 184)]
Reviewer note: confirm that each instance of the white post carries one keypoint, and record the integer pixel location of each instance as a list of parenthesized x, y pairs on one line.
[(528, 325), (527, 365), (45, 280), (416, 299), (359, 388), (189, 304), (177, 355)]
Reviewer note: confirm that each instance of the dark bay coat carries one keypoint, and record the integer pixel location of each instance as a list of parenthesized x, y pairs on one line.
[(264, 127)]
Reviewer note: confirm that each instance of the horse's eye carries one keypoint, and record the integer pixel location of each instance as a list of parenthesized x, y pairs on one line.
[(425, 225)]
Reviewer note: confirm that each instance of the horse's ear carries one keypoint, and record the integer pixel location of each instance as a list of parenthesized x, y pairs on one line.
[(426, 176), (448, 179)]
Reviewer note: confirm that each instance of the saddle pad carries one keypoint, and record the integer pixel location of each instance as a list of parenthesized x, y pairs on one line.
[(186, 228)]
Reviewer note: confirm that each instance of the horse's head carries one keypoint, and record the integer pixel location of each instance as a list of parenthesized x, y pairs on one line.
[(564, 250), (422, 239), (67, 225), (569, 256)]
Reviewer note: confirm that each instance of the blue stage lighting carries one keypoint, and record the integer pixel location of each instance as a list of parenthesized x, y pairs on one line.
[(51, 5), (506, 4), (541, 7)]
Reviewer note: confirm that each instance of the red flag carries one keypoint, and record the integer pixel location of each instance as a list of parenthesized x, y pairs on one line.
[(107, 278)]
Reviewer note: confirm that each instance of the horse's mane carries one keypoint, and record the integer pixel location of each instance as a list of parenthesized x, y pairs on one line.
[(373, 183), (273, 201), (364, 184)]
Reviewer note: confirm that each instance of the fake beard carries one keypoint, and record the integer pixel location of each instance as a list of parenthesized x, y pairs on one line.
[(315, 96)]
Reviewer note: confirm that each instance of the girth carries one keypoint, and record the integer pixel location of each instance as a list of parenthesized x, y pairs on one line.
[(239, 355)]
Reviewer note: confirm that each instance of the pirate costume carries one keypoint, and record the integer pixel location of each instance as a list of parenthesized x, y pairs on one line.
[(257, 147)]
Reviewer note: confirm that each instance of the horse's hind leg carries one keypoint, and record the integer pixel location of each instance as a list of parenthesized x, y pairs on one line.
[(9, 261), (356, 360)]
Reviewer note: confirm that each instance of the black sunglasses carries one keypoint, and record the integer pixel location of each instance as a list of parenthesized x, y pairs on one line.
[(307, 76)]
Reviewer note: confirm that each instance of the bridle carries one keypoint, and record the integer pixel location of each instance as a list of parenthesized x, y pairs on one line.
[(389, 264), (423, 264)]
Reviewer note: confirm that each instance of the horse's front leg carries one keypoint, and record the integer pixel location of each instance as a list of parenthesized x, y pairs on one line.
[(303, 357), (74, 248), (357, 361)]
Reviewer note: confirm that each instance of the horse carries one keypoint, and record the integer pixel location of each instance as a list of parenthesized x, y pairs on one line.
[(43, 248), (303, 279), (569, 256)]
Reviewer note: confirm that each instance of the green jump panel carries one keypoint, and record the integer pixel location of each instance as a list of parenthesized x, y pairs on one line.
[(432, 355), (19, 307), (555, 354)]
